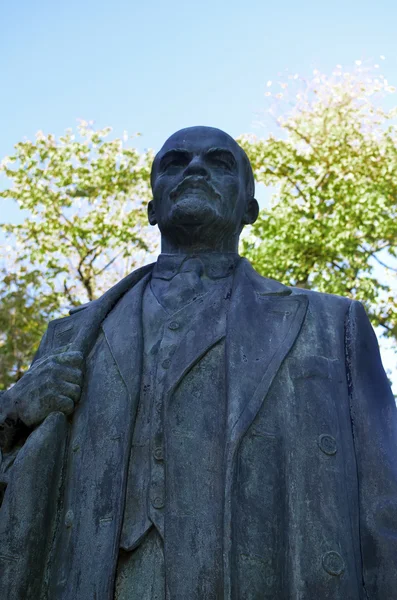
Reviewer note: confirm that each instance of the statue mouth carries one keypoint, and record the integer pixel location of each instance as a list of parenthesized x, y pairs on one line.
[(193, 183)]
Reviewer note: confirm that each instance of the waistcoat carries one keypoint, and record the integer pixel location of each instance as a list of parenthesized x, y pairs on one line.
[(175, 479)]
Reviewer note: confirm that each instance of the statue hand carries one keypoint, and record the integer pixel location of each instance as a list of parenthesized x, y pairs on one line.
[(53, 383)]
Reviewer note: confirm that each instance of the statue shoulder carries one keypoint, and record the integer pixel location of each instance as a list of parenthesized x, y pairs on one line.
[(319, 302), (324, 305), (62, 331), (75, 309), (84, 321)]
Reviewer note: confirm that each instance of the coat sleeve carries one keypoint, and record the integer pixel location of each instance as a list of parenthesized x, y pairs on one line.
[(11, 428), (374, 426)]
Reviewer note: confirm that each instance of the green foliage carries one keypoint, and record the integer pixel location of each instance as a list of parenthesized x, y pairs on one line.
[(84, 197), (331, 225), (26, 308), (332, 222)]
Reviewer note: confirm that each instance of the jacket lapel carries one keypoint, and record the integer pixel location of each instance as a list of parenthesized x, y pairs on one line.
[(124, 335), (123, 332), (263, 323)]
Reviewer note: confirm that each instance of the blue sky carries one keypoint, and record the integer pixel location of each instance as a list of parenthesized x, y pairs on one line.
[(158, 66)]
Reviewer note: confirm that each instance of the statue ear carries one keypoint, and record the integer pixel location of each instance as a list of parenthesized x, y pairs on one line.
[(251, 212), (151, 213)]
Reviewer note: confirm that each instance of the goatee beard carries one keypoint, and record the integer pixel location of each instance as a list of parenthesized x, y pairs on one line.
[(210, 232)]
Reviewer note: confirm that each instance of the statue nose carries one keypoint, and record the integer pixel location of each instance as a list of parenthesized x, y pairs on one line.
[(196, 167)]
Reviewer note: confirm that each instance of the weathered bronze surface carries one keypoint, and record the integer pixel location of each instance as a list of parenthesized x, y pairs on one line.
[(201, 432)]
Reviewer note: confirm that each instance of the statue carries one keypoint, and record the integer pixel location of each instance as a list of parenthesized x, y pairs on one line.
[(201, 432)]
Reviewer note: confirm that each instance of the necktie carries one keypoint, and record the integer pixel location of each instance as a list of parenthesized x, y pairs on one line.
[(182, 288)]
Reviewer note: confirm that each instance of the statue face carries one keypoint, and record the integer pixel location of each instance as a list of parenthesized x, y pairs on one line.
[(199, 184)]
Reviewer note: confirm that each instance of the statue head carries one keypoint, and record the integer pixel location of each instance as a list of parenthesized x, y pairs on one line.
[(203, 191)]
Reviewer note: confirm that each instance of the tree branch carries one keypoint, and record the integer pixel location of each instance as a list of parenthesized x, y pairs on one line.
[(294, 184), (86, 280), (383, 264), (68, 294), (321, 179), (109, 264)]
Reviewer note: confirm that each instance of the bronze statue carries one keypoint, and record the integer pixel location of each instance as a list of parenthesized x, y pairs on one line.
[(201, 432)]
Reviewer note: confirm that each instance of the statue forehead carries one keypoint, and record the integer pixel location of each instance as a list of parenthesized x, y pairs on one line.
[(199, 138)]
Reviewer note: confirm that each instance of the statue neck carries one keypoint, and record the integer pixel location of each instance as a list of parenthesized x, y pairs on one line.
[(171, 245)]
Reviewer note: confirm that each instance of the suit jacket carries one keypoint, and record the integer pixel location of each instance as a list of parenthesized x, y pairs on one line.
[(310, 471)]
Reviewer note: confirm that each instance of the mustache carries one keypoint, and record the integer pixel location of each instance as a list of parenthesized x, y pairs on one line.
[(192, 181)]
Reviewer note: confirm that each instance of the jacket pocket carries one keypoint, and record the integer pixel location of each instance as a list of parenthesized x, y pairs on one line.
[(312, 366)]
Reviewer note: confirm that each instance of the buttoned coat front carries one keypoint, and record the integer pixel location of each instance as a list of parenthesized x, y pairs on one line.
[(310, 467)]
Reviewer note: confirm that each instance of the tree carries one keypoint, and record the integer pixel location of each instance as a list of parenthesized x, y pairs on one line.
[(332, 223), (26, 308), (84, 198), (331, 226)]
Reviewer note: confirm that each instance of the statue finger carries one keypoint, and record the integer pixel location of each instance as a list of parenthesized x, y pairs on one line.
[(64, 404), (50, 356), (71, 374), (73, 358), (71, 390)]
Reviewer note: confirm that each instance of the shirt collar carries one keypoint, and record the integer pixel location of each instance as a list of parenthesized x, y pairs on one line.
[(216, 264)]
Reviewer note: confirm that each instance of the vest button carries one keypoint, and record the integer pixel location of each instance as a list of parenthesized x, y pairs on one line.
[(166, 363), (333, 563), (327, 444), (158, 502), (158, 453), (69, 518), (173, 325)]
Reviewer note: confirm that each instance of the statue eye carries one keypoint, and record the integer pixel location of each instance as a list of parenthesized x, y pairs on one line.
[(221, 160), (223, 163), (176, 162)]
